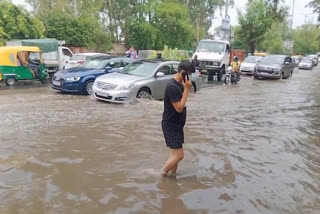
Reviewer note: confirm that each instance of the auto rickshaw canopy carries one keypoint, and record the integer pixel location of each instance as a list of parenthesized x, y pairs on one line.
[(8, 54)]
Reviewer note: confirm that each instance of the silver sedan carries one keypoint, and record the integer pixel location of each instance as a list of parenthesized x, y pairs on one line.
[(141, 79)]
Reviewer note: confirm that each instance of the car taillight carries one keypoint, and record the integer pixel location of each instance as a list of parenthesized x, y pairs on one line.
[(82, 61)]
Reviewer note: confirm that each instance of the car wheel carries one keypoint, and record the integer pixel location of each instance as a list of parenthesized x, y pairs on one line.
[(283, 77), (219, 75), (88, 87), (10, 81), (144, 93), (227, 80), (255, 78)]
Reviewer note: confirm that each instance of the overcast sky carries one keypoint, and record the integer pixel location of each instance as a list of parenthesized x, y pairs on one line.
[(301, 13)]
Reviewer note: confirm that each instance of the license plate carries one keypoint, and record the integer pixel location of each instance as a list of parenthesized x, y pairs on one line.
[(56, 83), (102, 95)]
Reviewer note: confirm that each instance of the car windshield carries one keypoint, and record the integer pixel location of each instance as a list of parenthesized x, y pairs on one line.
[(270, 60), (252, 59), (210, 46), (140, 68), (305, 59), (77, 57), (95, 64)]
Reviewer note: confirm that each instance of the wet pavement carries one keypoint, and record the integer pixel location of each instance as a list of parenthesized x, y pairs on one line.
[(249, 148)]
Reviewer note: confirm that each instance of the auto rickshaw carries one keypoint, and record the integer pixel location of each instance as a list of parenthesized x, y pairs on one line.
[(21, 63)]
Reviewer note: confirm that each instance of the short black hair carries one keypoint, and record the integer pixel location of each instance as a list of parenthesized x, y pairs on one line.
[(186, 66)]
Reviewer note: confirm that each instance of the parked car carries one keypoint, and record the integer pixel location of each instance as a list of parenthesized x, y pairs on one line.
[(249, 63), (141, 79), (80, 58), (314, 58), (80, 79), (274, 67), (305, 63)]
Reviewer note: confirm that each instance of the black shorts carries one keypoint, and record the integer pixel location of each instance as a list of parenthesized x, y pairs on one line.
[(173, 135)]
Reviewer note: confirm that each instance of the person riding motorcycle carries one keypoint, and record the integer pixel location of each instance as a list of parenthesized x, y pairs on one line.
[(235, 64)]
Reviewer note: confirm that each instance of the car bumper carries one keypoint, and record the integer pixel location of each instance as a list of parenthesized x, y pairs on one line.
[(69, 87), (112, 96), (267, 75), (246, 71), (304, 67)]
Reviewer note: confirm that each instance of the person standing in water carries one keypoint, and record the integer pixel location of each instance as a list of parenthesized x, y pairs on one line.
[(174, 115)]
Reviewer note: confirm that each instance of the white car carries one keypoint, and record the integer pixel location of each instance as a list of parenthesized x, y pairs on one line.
[(80, 58), (140, 79), (305, 63), (249, 63)]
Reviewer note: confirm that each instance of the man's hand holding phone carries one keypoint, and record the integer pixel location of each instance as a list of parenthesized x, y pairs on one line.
[(186, 80)]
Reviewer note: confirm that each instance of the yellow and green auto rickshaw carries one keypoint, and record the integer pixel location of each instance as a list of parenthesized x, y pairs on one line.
[(21, 63)]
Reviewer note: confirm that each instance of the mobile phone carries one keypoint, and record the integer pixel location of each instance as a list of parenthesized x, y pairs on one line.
[(184, 74)]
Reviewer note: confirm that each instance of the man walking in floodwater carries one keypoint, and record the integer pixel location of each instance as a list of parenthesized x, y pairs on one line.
[(174, 115)]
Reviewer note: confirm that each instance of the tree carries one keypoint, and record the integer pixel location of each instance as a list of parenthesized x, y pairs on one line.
[(17, 23), (315, 4), (143, 35), (82, 31), (174, 26), (254, 24), (275, 38), (306, 39)]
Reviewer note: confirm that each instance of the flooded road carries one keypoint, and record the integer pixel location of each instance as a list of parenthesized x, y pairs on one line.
[(250, 148)]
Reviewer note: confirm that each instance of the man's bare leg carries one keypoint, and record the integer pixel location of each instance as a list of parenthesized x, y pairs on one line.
[(176, 155)]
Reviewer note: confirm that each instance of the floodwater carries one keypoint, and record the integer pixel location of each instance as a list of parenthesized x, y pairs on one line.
[(249, 148)]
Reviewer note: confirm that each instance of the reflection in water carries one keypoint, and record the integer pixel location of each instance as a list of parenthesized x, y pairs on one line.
[(250, 148)]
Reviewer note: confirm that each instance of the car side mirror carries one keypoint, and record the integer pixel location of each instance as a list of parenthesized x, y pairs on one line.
[(107, 69), (160, 74)]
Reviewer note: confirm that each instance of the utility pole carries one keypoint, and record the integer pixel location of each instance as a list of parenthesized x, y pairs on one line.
[(75, 7), (225, 25), (293, 4)]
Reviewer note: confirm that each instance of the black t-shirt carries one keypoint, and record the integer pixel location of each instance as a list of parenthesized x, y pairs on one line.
[(173, 93)]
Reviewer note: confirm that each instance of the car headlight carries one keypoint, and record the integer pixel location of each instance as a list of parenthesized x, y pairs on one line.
[(73, 79), (216, 63), (125, 87), (277, 69)]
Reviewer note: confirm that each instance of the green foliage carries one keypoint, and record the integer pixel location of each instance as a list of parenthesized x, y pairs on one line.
[(174, 26), (17, 23), (119, 16), (169, 26), (315, 4), (306, 39), (81, 32), (143, 34), (238, 42), (275, 37), (254, 24)]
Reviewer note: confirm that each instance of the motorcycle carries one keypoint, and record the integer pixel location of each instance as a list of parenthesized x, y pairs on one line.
[(230, 77)]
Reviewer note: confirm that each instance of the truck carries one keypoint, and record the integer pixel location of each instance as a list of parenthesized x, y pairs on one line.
[(215, 56), (54, 54)]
